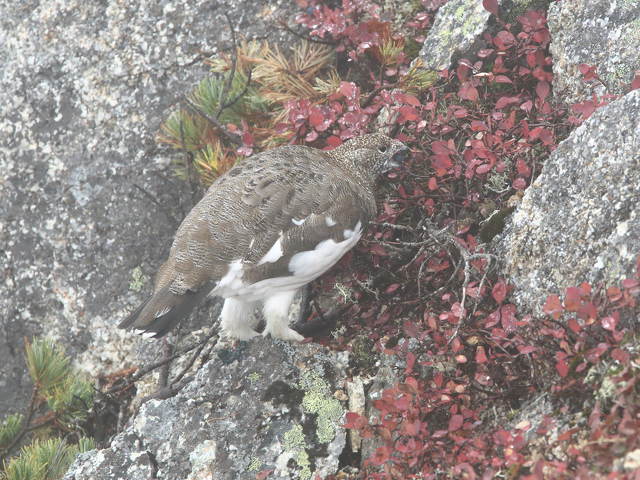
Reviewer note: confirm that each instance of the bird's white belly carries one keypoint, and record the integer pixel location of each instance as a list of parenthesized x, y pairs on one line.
[(304, 267)]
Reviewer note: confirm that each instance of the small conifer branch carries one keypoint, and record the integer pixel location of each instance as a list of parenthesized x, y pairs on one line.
[(232, 102), (232, 137), (24, 428)]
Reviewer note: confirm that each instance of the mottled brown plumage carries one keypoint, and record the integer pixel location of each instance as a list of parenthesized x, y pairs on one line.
[(268, 226)]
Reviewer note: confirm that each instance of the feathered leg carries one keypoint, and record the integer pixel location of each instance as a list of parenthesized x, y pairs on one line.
[(276, 313), (236, 319)]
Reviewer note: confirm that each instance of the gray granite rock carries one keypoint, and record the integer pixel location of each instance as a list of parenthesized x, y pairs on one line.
[(456, 32), (88, 203), (579, 221), (264, 405), (601, 33)]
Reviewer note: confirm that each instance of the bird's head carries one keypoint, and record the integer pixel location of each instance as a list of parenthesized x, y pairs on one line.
[(372, 154)]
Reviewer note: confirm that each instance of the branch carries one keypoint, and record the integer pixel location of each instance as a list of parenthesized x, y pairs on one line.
[(24, 428), (149, 368), (287, 28), (234, 61), (231, 103), (232, 137)]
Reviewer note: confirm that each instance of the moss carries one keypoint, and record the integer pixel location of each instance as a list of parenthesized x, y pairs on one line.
[(295, 443), (318, 400), (364, 356), (459, 14), (254, 465), (519, 7), (253, 377), (138, 279)]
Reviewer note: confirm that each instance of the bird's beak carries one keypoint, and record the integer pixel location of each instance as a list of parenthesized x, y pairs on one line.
[(399, 158)]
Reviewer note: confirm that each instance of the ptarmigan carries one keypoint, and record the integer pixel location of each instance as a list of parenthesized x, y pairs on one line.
[(270, 225)]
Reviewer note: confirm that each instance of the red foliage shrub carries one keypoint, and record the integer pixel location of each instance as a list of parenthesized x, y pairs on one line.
[(478, 137)]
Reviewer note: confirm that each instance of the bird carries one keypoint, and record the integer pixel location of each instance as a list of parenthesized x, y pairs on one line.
[(267, 227)]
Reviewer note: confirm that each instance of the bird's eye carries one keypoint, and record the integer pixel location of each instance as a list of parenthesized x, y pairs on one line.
[(382, 149)]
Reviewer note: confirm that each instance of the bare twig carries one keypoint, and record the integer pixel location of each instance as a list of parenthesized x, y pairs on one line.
[(232, 137), (188, 161), (232, 102), (149, 368), (234, 62), (283, 23), (467, 258)]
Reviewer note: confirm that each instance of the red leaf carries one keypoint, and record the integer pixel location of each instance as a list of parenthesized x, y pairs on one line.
[(491, 6), (481, 356), (504, 40), (562, 367), (620, 356), (519, 184), (502, 437), (542, 89), (392, 288), (588, 72), (499, 292), (433, 184), (468, 92), (553, 306), (572, 300), (411, 100), (455, 422), (574, 325), (408, 114), (484, 168), (635, 83), (316, 117), (348, 89), (264, 474), (586, 108), (334, 141), (355, 421), (506, 101), (502, 79)]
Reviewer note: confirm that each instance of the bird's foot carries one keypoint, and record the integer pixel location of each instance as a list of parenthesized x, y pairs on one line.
[(285, 333), (243, 333)]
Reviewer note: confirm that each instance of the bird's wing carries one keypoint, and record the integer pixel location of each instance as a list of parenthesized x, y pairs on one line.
[(260, 214)]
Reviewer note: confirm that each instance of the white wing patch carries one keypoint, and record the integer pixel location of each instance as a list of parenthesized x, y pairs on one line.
[(304, 267), (274, 253), (357, 230), (298, 221), (313, 263), (329, 221)]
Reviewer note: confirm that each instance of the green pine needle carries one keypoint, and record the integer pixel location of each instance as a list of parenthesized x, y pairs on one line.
[(45, 459), (10, 428), (47, 363)]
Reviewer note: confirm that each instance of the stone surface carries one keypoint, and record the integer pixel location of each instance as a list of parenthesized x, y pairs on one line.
[(88, 202), (579, 221), (264, 405), (456, 31), (601, 33)]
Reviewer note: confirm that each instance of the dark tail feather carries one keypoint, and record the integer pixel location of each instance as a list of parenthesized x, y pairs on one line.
[(163, 311)]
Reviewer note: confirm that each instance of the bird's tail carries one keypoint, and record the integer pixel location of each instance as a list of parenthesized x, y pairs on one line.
[(162, 311)]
